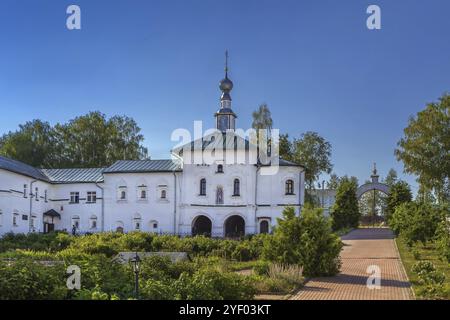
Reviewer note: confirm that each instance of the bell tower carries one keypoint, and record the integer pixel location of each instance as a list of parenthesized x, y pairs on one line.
[(225, 117)]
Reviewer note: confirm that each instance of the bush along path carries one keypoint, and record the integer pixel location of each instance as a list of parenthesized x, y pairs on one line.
[(366, 252)]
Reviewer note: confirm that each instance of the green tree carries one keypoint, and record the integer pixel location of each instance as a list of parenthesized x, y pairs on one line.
[(262, 118), (285, 148), (400, 192), (391, 178), (34, 143), (314, 152), (333, 183), (90, 140), (424, 149), (345, 211)]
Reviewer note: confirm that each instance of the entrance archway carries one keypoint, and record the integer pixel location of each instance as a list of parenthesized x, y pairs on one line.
[(372, 204), (374, 185), (234, 227), (201, 226)]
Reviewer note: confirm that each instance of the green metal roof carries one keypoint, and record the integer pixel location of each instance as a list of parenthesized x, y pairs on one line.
[(80, 175), (137, 166)]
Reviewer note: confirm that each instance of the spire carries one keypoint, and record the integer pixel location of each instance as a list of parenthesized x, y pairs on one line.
[(225, 117), (226, 64), (374, 172), (226, 85), (374, 175)]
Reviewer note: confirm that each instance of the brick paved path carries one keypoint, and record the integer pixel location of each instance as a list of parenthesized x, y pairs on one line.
[(363, 247)]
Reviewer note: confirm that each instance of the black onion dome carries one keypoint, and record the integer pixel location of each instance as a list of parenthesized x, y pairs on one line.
[(226, 85)]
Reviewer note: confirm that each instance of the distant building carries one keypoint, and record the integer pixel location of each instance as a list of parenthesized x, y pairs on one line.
[(325, 198)]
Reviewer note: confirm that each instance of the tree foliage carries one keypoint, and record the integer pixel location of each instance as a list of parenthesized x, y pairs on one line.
[(345, 211), (416, 221), (400, 192), (425, 147), (306, 240), (262, 118), (34, 143), (90, 140)]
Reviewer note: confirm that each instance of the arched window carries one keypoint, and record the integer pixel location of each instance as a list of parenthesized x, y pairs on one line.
[(163, 194), (76, 222), (119, 226), (236, 187), (93, 221), (203, 187), (154, 226), (220, 168), (264, 226), (219, 195), (289, 187), (137, 221), (15, 215), (122, 193)]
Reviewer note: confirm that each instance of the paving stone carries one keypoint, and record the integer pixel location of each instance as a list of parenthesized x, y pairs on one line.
[(363, 248)]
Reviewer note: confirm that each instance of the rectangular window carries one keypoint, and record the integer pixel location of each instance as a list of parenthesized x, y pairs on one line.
[(15, 220), (36, 194), (25, 191), (74, 197), (91, 197), (45, 195), (24, 217)]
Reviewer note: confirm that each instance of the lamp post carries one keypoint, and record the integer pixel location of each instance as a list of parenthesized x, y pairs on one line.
[(136, 261)]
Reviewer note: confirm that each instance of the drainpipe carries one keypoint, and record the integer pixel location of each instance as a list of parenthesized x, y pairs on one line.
[(31, 205), (102, 227), (300, 192), (256, 199), (175, 204)]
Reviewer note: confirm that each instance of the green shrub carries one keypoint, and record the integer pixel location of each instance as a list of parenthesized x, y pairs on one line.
[(25, 279), (264, 284), (416, 221), (306, 240), (443, 238), (261, 268), (432, 281)]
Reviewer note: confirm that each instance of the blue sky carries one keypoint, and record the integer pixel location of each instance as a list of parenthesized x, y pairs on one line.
[(313, 62)]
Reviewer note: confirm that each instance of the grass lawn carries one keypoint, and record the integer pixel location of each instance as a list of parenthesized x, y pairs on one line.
[(427, 253)]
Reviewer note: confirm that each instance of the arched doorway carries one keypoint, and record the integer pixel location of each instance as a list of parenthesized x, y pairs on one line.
[(234, 227), (264, 226), (372, 200), (201, 226)]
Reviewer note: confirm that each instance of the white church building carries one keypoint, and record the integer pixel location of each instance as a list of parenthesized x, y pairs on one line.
[(172, 196)]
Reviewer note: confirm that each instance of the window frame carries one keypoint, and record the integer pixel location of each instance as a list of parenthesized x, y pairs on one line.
[(202, 187), (91, 197), (74, 197), (236, 187), (289, 187)]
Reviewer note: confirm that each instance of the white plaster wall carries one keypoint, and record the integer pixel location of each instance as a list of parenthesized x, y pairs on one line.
[(12, 201), (153, 209), (61, 203)]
